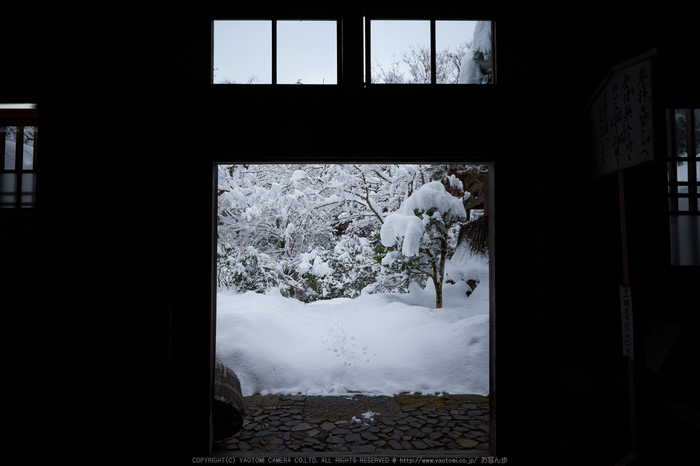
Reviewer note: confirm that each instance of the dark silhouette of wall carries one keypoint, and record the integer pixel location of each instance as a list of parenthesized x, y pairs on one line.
[(130, 128)]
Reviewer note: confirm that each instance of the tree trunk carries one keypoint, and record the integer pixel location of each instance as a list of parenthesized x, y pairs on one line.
[(438, 293), (439, 276)]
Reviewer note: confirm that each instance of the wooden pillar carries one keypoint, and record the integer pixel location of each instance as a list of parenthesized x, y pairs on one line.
[(630, 363)]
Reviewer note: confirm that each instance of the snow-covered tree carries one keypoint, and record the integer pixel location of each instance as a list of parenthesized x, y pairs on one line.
[(418, 235), (417, 60), (287, 211), (268, 214), (314, 231), (477, 63), (252, 79), (278, 209)]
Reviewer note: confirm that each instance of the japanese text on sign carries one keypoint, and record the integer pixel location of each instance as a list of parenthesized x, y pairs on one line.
[(621, 121), (627, 322)]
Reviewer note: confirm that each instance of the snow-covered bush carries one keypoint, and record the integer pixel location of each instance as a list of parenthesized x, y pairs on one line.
[(247, 269), (341, 272)]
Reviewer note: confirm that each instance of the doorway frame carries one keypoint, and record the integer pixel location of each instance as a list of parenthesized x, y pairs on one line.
[(491, 209)]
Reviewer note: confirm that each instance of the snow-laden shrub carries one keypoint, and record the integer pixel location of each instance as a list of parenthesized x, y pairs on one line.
[(356, 263), (341, 272), (246, 269)]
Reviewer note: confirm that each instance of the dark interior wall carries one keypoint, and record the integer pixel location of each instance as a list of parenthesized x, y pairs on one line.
[(130, 128)]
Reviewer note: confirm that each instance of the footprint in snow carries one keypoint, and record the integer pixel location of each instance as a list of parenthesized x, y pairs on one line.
[(339, 341)]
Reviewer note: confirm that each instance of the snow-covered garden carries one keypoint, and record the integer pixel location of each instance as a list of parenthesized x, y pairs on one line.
[(353, 278)]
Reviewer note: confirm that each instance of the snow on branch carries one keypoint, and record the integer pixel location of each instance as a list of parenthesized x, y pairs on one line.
[(404, 223), (434, 195), (408, 227)]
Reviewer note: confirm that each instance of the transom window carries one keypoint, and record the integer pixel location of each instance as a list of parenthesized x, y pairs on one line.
[(293, 51), (275, 52), (429, 51)]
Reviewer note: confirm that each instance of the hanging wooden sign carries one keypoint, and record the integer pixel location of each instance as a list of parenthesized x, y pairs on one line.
[(621, 118)]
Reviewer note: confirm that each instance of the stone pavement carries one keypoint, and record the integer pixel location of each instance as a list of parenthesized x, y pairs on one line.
[(361, 424)]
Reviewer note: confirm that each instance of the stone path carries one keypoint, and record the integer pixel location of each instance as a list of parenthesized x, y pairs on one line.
[(361, 424)]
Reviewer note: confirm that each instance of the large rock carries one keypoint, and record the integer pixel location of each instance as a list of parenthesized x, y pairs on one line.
[(300, 427), (466, 443)]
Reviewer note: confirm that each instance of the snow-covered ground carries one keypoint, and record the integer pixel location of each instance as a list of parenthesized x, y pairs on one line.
[(378, 344)]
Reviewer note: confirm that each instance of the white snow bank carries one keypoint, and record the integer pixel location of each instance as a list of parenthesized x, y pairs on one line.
[(379, 344)]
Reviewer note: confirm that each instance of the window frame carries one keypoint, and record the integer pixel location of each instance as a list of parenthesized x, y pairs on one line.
[(676, 216), (489, 210), (433, 45), (351, 78), (273, 27), (20, 118), (365, 67), (672, 160)]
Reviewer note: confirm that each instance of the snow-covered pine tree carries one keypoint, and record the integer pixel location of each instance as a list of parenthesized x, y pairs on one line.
[(418, 238), (477, 63)]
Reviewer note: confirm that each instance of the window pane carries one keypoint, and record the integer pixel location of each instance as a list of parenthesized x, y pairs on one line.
[(8, 133), (27, 200), (28, 159), (7, 200), (242, 52), (307, 52), (681, 140), (697, 131), (452, 42), (683, 201), (7, 182), (400, 52), (685, 239), (28, 183), (7, 189), (28, 190), (463, 52)]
